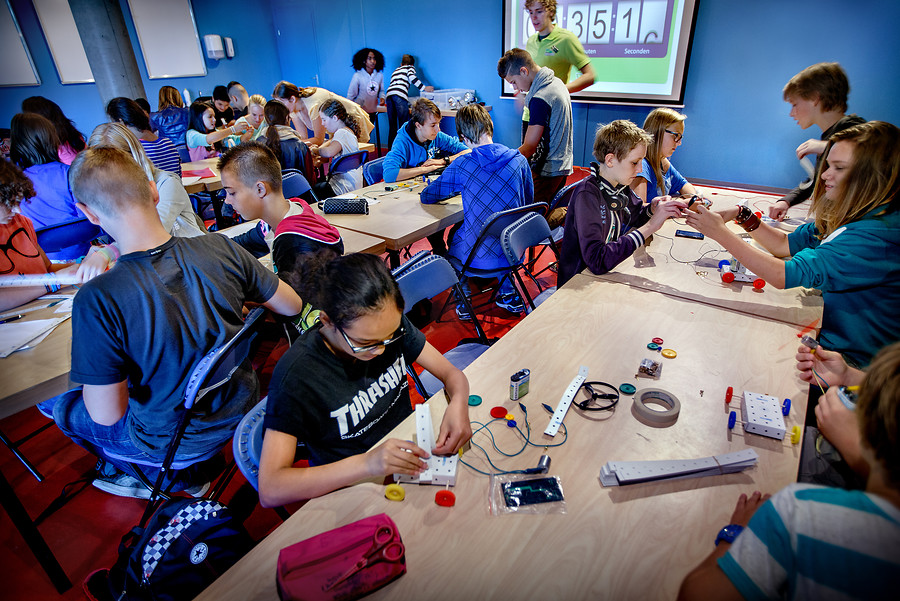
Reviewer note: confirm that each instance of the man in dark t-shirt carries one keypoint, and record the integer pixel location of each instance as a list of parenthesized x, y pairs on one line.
[(139, 330)]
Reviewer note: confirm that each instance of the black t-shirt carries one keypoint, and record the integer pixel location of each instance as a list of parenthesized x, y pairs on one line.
[(338, 406), (227, 114), (152, 317)]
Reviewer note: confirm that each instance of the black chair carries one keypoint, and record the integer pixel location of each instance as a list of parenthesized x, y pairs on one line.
[(425, 276), (490, 233), (213, 370)]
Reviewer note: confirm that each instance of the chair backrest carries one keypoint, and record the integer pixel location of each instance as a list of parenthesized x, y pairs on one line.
[(563, 197), (294, 183), (348, 162), (496, 223), (373, 171), (427, 275), (184, 154), (54, 238), (247, 443), (518, 237)]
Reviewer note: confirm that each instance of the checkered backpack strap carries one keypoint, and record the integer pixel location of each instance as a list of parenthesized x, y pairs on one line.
[(157, 546)]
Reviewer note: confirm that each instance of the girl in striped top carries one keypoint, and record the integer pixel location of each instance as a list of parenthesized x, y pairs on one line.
[(159, 150), (397, 95)]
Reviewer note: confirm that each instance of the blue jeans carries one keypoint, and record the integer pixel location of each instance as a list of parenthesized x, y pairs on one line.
[(397, 114), (72, 418)]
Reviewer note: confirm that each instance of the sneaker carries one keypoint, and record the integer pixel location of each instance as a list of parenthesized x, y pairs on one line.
[(463, 313), (511, 302), (122, 485)]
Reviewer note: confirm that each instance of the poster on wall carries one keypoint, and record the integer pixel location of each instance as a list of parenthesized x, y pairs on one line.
[(639, 49)]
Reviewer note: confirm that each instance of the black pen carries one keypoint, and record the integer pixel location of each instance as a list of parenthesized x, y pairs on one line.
[(9, 319)]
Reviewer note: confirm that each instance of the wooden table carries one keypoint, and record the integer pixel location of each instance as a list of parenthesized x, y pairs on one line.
[(208, 184), (398, 217), (634, 542), (688, 268)]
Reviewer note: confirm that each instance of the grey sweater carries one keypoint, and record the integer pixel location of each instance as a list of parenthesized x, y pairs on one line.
[(549, 88)]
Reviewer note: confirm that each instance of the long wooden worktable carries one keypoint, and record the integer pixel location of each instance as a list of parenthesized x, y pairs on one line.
[(632, 542)]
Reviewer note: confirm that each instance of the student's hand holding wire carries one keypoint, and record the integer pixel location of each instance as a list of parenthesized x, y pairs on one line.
[(456, 430), (709, 223), (811, 146), (824, 368), (395, 456)]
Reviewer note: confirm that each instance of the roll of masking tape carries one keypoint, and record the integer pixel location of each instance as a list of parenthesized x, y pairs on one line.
[(656, 396)]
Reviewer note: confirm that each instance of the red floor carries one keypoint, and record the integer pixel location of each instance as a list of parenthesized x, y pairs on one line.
[(85, 533)]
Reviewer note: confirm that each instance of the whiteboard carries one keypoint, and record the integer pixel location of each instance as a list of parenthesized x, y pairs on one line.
[(65, 43), (16, 66), (168, 36)]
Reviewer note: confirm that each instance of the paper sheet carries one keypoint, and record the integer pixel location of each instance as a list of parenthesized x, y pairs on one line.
[(17, 335)]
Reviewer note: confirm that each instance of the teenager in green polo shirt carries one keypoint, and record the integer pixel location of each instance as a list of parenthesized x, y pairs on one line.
[(556, 47)]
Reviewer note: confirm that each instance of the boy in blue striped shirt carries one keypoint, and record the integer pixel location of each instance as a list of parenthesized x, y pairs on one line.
[(814, 542)]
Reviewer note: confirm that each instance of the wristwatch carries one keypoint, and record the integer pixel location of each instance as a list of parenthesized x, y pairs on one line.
[(446, 161), (729, 533)]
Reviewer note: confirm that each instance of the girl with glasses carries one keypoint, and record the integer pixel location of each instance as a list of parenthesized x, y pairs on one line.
[(342, 387), (658, 176)]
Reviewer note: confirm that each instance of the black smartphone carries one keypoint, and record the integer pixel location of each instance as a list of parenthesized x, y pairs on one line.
[(689, 234)]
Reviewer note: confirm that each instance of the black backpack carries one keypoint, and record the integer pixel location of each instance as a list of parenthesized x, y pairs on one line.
[(187, 544)]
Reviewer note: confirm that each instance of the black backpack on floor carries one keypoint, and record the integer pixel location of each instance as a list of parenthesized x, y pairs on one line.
[(186, 545)]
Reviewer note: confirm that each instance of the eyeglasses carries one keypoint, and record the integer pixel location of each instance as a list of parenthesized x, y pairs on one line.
[(18, 238), (675, 135), (371, 347)]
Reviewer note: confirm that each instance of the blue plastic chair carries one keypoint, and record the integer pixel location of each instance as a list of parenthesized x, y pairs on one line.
[(425, 276), (295, 185), (213, 370), (67, 234), (373, 171), (247, 443), (516, 239), (348, 162)]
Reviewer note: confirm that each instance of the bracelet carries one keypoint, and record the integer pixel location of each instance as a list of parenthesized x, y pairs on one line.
[(51, 288), (110, 252), (747, 219)]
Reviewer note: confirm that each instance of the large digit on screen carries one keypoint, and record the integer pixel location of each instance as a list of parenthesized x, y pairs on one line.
[(577, 21), (628, 15), (599, 17), (653, 22)]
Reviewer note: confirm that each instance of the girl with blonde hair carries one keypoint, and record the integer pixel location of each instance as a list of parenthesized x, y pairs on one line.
[(658, 176), (255, 119), (849, 252), (174, 206)]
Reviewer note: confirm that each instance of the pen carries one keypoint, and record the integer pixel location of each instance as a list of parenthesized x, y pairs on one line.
[(9, 319)]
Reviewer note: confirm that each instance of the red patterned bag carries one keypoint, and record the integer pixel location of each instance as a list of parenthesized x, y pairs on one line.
[(345, 563)]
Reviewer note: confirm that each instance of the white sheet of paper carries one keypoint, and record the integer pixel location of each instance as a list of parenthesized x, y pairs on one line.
[(18, 334)]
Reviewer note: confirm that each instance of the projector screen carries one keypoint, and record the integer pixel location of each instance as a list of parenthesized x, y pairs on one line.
[(639, 48)]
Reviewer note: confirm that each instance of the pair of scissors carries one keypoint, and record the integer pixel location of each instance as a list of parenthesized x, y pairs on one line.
[(382, 549)]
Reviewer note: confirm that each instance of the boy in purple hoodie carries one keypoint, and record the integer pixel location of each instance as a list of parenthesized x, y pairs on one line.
[(491, 178), (606, 221)]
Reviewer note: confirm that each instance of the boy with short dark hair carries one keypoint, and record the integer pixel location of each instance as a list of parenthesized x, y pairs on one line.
[(222, 107), (818, 96), (251, 178), (547, 140), (491, 178), (607, 221), (816, 542), (421, 147), (139, 330), (238, 99)]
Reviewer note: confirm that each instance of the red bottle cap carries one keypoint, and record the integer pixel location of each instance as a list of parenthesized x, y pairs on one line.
[(445, 498), (498, 412)]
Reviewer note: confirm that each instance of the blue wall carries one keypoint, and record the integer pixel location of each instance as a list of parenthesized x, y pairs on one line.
[(255, 63), (738, 128)]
